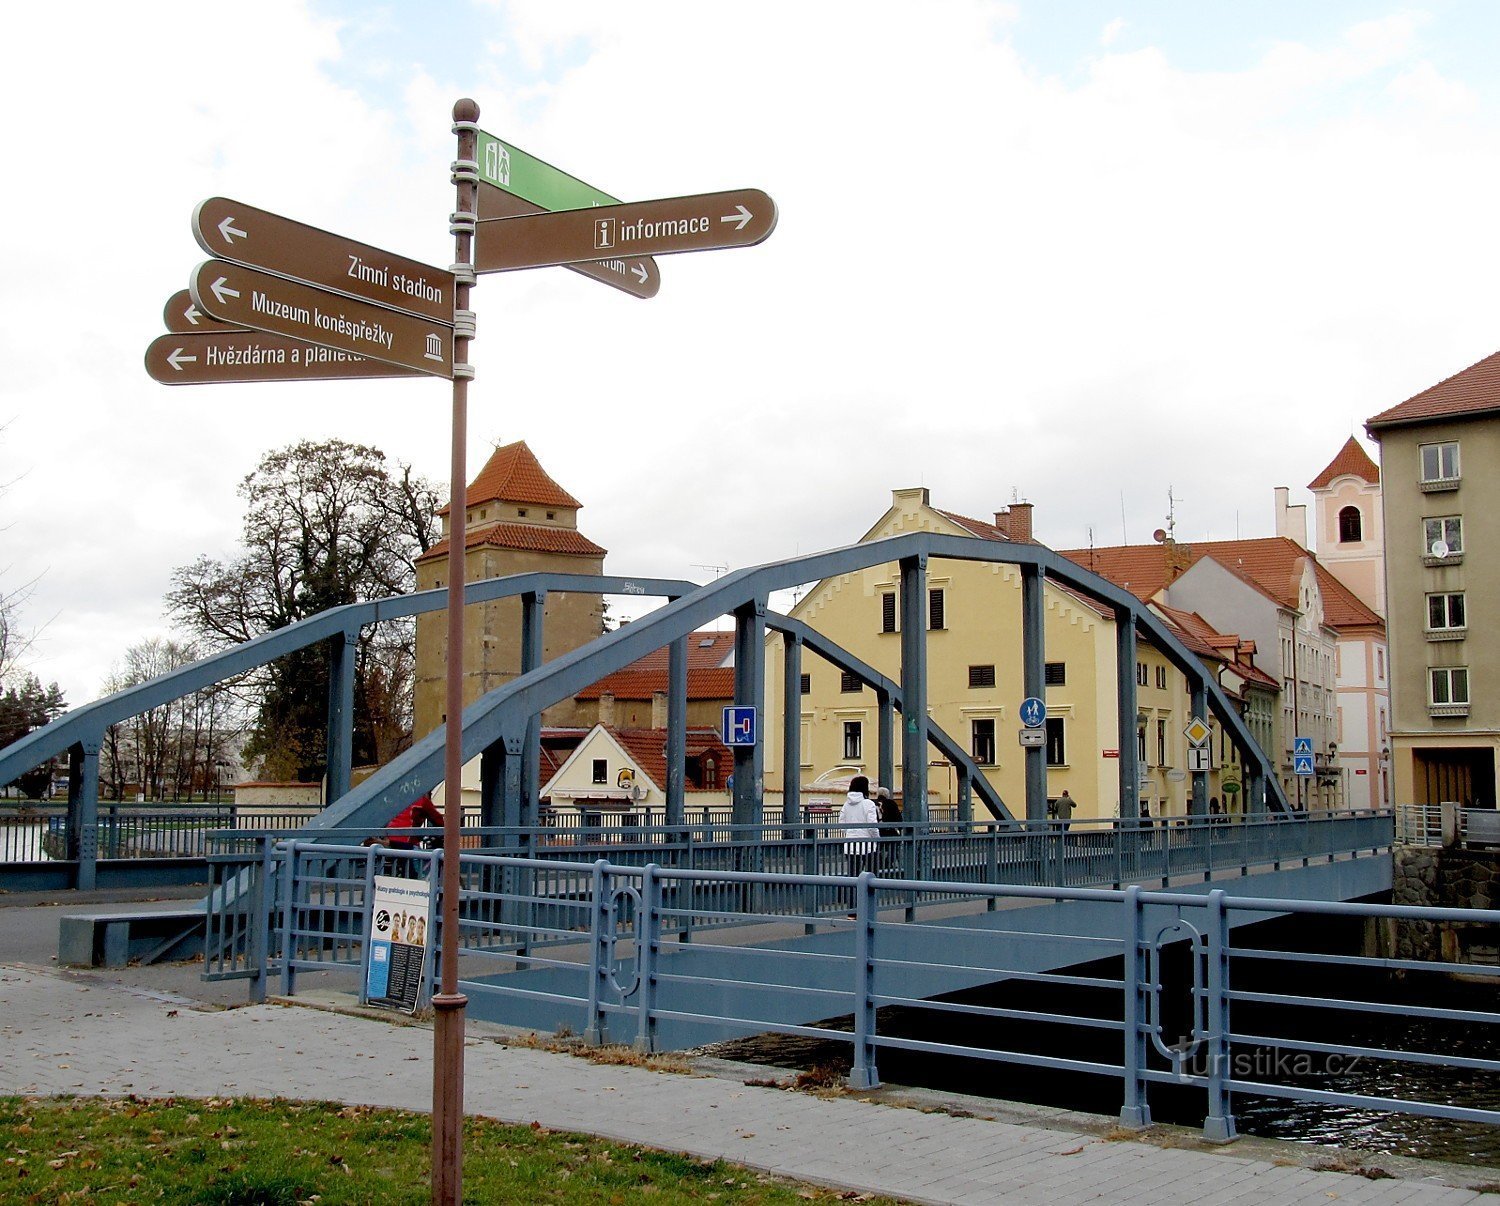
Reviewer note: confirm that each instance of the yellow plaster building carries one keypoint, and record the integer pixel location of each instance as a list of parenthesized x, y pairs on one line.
[(975, 683)]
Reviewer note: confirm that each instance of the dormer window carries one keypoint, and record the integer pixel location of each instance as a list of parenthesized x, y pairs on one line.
[(551, 514), (521, 512)]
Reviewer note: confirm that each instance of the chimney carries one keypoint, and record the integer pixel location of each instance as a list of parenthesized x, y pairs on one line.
[(607, 707), (658, 709), (1291, 522), (1017, 521)]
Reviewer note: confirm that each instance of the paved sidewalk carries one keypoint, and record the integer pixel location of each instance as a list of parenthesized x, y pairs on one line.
[(67, 1033)]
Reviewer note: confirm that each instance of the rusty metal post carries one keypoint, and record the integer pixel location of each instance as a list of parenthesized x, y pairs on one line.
[(449, 1004)]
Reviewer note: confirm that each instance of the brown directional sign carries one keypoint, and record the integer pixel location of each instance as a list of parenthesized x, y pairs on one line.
[(705, 222), (635, 275), (234, 231), (244, 297), (182, 316), (221, 356)]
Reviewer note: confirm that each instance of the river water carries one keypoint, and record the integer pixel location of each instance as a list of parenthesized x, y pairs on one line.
[(1305, 1122)]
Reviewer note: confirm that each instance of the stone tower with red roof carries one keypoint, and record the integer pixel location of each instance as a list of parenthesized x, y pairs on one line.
[(519, 521)]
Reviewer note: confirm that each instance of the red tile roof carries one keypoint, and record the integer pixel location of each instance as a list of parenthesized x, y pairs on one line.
[(708, 678), (1352, 460), (1273, 564), (531, 537), (1201, 638), (976, 527), (648, 748), (1474, 391), (514, 475)]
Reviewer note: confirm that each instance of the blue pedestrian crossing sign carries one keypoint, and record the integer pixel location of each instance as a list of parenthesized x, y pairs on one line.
[(739, 724), (1302, 764), (1302, 745), (1033, 712)]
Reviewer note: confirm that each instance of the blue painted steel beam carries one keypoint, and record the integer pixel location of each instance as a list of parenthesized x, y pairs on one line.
[(750, 691), (791, 729), (90, 721), (1034, 681), (914, 686), (343, 649), (677, 704), (533, 647)]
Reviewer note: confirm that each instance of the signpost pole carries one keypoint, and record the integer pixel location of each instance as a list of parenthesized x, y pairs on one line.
[(449, 1004)]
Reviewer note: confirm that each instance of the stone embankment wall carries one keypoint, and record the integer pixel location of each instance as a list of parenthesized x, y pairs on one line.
[(1447, 878)]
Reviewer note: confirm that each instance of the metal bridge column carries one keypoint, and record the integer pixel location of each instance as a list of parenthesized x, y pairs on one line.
[(1034, 681), (1198, 704), (885, 725), (677, 696), (533, 612), (510, 802), (491, 768), (914, 687), (750, 689), (342, 649), (791, 730), (1125, 706), (83, 812)]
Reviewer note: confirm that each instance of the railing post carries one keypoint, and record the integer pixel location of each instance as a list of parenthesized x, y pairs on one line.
[(1218, 1126), (288, 916), (647, 951), (1134, 1112), (596, 1032), (260, 941), (994, 869), (863, 1074)]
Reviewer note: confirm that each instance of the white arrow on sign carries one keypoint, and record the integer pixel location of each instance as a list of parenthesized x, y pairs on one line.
[(177, 359), (640, 273), (222, 290), (229, 230), (738, 219), (192, 314)]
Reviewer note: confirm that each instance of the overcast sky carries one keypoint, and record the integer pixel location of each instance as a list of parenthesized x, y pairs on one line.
[(1074, 253)]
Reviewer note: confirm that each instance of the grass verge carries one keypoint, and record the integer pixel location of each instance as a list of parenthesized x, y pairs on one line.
[(245, 1152)]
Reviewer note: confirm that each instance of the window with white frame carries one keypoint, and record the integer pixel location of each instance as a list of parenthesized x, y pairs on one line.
[(1448, 686), (1161, 678), (1439, 462), (1449, 529), (1446, 612), (1057, 742), (854, 740), (1141, 678)]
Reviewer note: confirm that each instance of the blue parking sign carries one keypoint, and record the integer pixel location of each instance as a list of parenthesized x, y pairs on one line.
[(739, 724)]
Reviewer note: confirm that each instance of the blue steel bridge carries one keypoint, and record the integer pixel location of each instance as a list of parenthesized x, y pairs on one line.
[(696, 930)]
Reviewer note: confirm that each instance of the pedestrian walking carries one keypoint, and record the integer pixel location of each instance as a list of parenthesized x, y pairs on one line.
[(860, 819), (890, 828), (1064, 809)]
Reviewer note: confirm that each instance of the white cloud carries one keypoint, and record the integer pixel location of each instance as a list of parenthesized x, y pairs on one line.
[(1111, 32), (983, 277)]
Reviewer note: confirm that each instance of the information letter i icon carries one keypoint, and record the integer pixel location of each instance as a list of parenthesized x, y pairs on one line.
[(604, 233)]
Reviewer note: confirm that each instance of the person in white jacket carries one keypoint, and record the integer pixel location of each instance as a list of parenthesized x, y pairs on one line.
[(860, 818)]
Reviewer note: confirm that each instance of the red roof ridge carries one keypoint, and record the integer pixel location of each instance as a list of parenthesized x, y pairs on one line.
[(531, 537), (1471, 391), (1352, 461), (514, 475)]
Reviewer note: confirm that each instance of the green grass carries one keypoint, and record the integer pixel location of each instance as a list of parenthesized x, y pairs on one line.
[(234, 1152)]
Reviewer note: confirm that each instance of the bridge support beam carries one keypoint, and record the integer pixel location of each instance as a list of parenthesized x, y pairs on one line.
[(791, 729), (677, 703), (83, 812), (343, 651), (533, 651), (1198, 705), (914, 687), (750, 690), (885, 732), (1125, 708), (1034, 682)]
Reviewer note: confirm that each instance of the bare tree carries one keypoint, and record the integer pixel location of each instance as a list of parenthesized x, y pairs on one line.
[(325, 524)]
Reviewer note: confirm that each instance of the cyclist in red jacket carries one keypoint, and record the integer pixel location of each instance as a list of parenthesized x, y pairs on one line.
[(420, 812)]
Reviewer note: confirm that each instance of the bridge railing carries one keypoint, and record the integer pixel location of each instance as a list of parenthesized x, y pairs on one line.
[(631, 951), (1422, 824), (1043, 853)]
